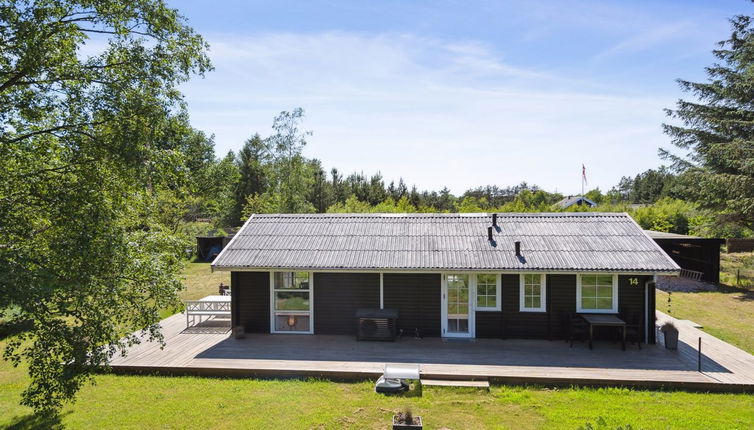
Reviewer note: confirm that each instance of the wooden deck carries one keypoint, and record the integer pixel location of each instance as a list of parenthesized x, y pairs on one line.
[(209, 350)]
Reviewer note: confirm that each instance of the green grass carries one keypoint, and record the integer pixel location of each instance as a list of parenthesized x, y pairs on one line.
[(192, 402), (728, 313), (737, 269), (200, 281)]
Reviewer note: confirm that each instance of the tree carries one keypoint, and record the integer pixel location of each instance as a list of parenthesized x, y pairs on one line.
[(253, 168), (292, 177), (351, 205), (87, 145), (716, 133), (320, 194)]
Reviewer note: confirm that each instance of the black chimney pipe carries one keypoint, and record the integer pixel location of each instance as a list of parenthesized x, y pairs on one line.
[(494, 220), (518, 248), (489, 234)]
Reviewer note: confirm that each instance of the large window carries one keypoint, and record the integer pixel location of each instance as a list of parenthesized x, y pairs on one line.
[(291, 302), (597, 293), (532, 292), (487, 292)]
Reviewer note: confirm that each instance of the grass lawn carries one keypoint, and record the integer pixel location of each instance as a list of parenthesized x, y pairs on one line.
[(200, 281), (727, 313), (192, 402)]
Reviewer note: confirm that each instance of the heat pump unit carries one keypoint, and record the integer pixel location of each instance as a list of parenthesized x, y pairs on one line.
[(376, 324)]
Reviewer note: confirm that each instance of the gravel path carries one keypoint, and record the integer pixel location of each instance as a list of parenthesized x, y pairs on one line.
[(686, 285)]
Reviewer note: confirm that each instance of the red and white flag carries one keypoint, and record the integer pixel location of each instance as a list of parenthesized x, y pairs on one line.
[(583, 173)]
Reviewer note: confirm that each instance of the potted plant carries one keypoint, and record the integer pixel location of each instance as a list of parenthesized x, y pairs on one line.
[(670, 333), (406, 420)]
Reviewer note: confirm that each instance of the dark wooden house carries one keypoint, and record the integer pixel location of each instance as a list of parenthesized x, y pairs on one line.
[(451, 275)]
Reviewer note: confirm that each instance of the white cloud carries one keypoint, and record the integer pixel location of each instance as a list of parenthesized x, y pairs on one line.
[(648, 38), (432, 112)]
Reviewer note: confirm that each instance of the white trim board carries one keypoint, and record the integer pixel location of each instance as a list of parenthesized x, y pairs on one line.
[(440, 271)]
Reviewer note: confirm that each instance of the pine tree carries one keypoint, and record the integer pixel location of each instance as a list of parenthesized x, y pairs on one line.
[(252, 162), (717, 131)]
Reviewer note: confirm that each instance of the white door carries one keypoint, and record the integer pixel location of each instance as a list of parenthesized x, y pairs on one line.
[(457, 306)]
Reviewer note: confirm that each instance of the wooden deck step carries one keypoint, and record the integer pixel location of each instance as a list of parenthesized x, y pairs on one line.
[(484, 384)]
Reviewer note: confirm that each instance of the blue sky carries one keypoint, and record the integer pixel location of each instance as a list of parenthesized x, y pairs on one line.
[(457, 93)]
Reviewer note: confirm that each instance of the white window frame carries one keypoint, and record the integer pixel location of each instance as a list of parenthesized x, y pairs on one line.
[(543, 293), (613, 310), (497, 306), (273, 312)]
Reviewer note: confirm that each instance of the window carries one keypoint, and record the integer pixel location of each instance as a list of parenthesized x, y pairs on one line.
[(487, 292), (291, 302), (532, 291), (597, 293)]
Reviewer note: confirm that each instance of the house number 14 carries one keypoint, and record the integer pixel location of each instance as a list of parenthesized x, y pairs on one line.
[(633, 281)]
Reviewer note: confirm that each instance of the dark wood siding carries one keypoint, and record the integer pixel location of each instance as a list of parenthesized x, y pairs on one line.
[(251, 301), (562, 300), (338, 295), (518, 324), (489, 324), (417, 298), (631, 298)]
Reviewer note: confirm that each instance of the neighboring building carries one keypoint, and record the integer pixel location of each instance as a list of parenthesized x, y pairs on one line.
[(692, 253), (575, 200), (451, 275), (208, 247)]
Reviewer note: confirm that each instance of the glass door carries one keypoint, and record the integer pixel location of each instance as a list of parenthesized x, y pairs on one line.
[(457, 315)]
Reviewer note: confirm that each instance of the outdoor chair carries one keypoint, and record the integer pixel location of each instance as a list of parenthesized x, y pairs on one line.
[(634, 327), (576, 327)]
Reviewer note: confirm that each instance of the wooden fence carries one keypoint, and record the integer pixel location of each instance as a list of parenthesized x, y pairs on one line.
[(740, 245)]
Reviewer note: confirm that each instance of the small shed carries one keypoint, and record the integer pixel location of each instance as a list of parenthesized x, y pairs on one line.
[(692, 253), (208, 247)]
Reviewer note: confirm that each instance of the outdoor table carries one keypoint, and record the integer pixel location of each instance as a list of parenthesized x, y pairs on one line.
[(601, 320)]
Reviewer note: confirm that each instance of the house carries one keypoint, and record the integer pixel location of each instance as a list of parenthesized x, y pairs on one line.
[(697, 254), (508, 275), (575, 200)]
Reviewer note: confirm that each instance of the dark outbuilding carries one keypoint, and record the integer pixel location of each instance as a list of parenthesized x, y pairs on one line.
[(692, 253)]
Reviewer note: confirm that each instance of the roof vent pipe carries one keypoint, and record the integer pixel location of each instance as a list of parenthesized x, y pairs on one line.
[(489, 234), (518, 248), (494, 220)]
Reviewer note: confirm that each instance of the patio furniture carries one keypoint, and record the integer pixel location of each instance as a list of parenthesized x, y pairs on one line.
[(210, 306), (576, 327), (605, 320), (634, 327), (223, 290)]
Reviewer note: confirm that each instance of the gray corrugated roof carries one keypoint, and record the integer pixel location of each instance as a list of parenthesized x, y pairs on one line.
[(549, 241)]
